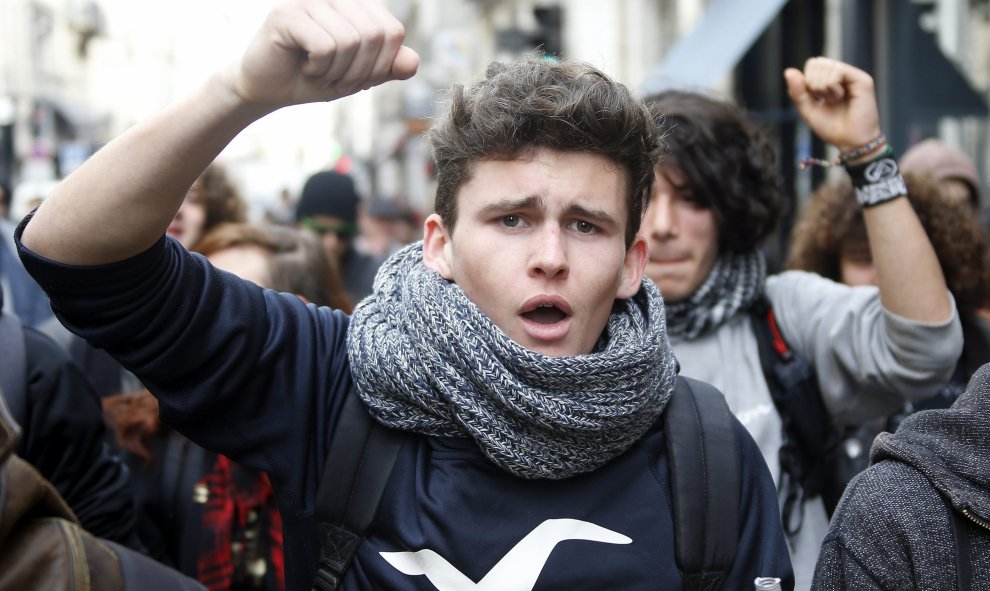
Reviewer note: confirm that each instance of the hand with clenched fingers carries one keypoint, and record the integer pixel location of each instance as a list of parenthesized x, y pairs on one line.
[(320, 50), (838, 101)]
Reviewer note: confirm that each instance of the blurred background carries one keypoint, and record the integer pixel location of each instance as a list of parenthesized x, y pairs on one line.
[(75, 73)]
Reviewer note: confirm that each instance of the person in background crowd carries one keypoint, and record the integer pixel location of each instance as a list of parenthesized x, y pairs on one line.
[(6, 199), (919, 517), (283, 213), (717, 196), (212, 200), (289, 260), (386, 227), (200, 512), (517, 347), (62, 431), (45, 546), (952, 170), (329, 206), (25, 299), (830, 239)]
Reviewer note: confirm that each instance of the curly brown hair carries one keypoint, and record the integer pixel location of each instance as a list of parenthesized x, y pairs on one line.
[(538, 102), (833, 222), (727, 161), (219, 197)]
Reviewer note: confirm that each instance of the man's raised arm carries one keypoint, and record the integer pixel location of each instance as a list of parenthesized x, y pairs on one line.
[(122, 199), (839, 103)]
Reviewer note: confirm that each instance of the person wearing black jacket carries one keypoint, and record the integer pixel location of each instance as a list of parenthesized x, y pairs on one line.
[(64, 437)]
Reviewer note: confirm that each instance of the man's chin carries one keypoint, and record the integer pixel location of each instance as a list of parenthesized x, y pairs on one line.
[(672, 291)]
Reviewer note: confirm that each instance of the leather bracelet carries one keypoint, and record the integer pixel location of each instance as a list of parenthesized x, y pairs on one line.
[(877, 180)]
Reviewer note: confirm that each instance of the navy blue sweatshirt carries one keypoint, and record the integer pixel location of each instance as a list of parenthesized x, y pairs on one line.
[(260, 376)]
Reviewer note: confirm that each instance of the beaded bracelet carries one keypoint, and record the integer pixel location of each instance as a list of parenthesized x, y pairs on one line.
[(875, 146), (866, 149)]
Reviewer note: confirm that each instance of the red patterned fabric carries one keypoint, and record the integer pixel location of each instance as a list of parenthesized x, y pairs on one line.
[(234, 493)]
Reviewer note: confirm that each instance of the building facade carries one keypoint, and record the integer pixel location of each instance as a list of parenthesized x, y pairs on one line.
[(75, 73)]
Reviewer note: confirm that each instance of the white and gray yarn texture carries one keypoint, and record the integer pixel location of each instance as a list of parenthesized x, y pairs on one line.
[(426, 359)]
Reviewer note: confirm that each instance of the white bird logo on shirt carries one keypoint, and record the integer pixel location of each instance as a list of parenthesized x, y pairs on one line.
[(518, 570)]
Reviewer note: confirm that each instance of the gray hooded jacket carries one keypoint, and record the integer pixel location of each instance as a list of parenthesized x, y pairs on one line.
[(894, 526)]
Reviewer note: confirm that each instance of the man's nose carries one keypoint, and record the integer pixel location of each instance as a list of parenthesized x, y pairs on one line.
[(661, 218), (550, 256)]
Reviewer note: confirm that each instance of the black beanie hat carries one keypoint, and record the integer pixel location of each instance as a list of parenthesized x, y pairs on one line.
[(328, 193)]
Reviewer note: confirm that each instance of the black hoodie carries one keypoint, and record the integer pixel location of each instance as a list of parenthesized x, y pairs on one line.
[(894, 526), (63, 436)]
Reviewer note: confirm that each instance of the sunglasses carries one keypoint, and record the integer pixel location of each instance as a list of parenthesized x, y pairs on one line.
[(341, 229)]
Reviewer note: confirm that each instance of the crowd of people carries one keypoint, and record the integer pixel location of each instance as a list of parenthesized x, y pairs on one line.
[(350, 394)]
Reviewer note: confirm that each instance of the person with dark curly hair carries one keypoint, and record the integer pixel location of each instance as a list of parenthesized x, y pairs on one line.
[(830, 239), (212, 200), (517, 353), (717, 196)]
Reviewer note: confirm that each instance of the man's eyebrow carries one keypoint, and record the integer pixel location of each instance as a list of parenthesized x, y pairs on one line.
[(597, 215), (539, 203), (531, 202)]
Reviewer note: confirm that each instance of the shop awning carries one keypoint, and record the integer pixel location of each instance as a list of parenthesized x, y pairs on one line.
[(724, 34)]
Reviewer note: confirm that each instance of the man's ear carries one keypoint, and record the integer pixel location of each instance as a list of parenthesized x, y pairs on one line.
[(437, 247), (632, 269)]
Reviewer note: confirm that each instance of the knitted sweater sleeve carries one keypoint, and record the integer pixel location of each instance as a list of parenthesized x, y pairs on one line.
[(891, 530), (838, 570), (253, 374), (868, 360)]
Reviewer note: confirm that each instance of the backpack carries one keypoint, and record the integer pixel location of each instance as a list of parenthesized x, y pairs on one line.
[(702, 451), (816, 457), (45, 548)]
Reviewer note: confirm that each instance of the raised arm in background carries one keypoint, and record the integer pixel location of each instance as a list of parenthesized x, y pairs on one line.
[(838, 101)]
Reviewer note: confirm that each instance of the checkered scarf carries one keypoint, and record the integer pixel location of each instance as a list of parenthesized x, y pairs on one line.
[(426, 359), (735, 281)]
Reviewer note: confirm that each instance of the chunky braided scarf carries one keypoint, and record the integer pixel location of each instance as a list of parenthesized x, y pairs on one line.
[(426, 359), (733, 284)]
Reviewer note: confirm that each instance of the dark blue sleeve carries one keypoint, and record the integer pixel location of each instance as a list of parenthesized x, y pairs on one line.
[(762, 547), (246, 372)]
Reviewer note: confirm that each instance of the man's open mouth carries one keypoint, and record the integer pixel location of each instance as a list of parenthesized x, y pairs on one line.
[(545, 314)]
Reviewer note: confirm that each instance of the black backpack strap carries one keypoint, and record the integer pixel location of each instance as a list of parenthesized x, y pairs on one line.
[(362, 453), (793, 385), (704, 474), (809, 435), (13, 370)]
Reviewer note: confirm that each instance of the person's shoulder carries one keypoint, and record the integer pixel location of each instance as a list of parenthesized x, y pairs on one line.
[(888, 498), (42, 349), (890, 521)]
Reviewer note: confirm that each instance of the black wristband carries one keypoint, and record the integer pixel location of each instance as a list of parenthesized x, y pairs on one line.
[(878, 180)]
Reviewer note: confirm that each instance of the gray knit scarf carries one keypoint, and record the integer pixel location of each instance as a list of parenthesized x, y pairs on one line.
[(733, 284), (426, 359)]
